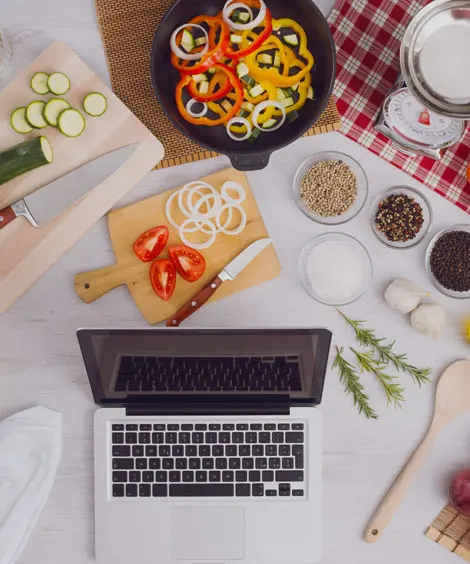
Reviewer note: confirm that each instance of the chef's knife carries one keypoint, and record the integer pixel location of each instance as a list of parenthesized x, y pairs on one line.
[(230, 272), (53, 198)]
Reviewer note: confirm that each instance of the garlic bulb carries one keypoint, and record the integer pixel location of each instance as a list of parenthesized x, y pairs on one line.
[(404, 295), (429, 319)]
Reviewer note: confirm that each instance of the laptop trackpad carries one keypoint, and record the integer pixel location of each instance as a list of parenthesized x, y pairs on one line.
[(208, 533)]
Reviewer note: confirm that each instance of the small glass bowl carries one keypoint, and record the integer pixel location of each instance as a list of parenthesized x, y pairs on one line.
[(427, 216), (362, 188), (334, 236), (435, 282)]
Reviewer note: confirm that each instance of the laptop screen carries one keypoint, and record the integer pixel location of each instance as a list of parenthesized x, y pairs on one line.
[(141, 365)]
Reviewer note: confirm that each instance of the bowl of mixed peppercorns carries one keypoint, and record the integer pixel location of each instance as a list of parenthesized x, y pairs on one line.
[(330, 188), (448, 261), (401, 217)]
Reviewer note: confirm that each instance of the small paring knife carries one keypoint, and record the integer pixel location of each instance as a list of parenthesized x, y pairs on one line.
[(230, 272), (40, 207)]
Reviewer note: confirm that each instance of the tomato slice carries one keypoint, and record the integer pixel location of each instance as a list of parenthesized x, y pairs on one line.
[(151, 243), (189, 262), (163, 278)]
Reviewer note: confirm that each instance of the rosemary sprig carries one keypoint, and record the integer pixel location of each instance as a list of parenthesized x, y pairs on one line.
[(385, 353), (352, 384), (393, 391)]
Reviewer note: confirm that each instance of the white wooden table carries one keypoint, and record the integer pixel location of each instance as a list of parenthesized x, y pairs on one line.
[(40, 360)]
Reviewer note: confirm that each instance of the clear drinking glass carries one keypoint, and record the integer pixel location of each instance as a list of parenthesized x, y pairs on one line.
[(5, 56)]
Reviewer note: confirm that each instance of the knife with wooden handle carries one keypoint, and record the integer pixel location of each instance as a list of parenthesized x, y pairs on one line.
[(230, 272)]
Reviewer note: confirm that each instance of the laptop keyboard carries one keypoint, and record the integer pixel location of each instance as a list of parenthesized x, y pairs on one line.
[(151, 460), (208, 374)]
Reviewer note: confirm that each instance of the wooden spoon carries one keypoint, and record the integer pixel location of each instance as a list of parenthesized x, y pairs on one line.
[(452, 399)]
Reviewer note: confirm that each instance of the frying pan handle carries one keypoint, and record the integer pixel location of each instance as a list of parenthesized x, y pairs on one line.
[(256, 161)]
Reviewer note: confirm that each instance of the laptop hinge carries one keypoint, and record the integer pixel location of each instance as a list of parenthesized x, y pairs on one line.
[(210, 408)]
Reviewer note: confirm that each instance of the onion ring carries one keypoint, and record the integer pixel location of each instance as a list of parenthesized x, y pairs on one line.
[(236, 230), (230, 7), (262, 106), (195, 186), (191, 103), (182, 54), (242, 121), (231, 185), (183, 229)]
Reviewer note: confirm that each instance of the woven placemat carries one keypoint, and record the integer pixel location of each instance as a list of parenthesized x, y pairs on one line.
[(127, 29), (451, 530)]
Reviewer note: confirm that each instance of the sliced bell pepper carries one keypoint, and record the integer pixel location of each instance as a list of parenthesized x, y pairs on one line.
[(218, 79), (236, 88), (216, 49), (247, 47)]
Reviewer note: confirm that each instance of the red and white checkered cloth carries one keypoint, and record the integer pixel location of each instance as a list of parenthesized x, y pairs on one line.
[(368, 35)]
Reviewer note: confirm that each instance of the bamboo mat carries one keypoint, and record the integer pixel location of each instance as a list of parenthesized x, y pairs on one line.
[(451, 530), (127, 29)]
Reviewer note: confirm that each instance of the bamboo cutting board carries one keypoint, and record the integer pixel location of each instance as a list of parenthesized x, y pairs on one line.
[(27, 252), (125, 226)]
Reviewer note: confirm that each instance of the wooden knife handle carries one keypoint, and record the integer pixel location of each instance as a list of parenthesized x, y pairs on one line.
[(195, 303), (93, 284), (7, 215)]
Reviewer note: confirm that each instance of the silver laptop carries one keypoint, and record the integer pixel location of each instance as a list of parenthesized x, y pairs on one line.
[(207, 444)]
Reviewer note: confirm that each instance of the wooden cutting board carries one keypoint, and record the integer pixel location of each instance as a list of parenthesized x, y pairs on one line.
[(27, 252), (125, 226)]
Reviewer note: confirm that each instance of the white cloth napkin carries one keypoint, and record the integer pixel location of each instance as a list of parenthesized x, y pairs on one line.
[(30, 450)]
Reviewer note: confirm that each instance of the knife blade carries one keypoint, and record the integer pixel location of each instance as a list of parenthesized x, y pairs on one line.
[(45, 203), (229, 272)]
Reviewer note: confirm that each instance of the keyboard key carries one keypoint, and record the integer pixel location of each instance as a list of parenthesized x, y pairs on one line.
[(254, 476), (177, 450), (237, 438), (289, 476), (270, 493), (214, 427), (168, 464), (211, 438), (151, 450), (158, 438), (187, 427), (288, 463), (217, 450), (256, 427), (159, 490), (118, 438), (283, 426), (164, 450), (190, 450), (117, 427), (118, 490), (294, 437), (297, 493), (131, 427), (269, 426), (231, 450), (145, 427), (144, 490), (228, 427), (284, 450), (131, 438), (184, 438), (144, 438), (278, 437), (197, 437), (171, 438), (271, 450), (201, 490), (244, 450), (137, 450), (173, 427), (201, 476), (257, 490), (141, 463), (214, 476), (131, 490), (297, 427), (274, 463), (242, 490), (242, 426), (194, 463), (241, 476), (208, 463), (251, 437), (123, 464), (148, 476), (204, 450), (174, 476), (159, 427), (248, 463), (267, 476), (154, 464), (258, 450), (234, 463), (224, 438), (227, 476), (261, 463), (221, 463), (200, 427), (161, 476), (119, 477), (123, 450), (181, 463)]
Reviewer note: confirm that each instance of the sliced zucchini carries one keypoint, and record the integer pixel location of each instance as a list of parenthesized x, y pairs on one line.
[(254, 135), (187, 41), (291, 39), (199, 77), (24, 157), (58, 83), (203, 87), (242, 70), (277, 59), (199, 41), (211, 70), (256, 91), (18, 121), (268, 124), (95, 104), (226, 105), (280, 95), (236, 38), (39, 83), (292, 116), (243, 113), (295, 87), (53, 109), (288, 92), (248, 106), (265, 59), (34, 114), (250, 82), (310, 93), (71, 123), (287, 102), (239, 16)]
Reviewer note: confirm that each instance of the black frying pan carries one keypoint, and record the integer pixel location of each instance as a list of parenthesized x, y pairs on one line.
[(244, 155)]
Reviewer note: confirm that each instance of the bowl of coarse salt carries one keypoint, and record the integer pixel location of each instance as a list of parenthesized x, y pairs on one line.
[(335, 269)]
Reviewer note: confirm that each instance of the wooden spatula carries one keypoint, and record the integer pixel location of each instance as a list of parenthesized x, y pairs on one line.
[(452, 399)]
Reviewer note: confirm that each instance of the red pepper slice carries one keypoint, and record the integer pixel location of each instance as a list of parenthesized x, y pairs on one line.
[(236, 86), (163, 278), (214, 54), (210, 96), (151, 243)]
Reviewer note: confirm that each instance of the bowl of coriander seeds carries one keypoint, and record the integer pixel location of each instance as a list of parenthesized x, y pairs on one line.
[(330, 188)]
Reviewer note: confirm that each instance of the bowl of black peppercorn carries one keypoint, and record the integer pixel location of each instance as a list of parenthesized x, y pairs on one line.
[(401, 217), (448, 261)]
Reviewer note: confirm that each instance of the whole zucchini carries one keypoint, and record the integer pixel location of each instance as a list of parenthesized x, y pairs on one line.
[(24, 157)]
